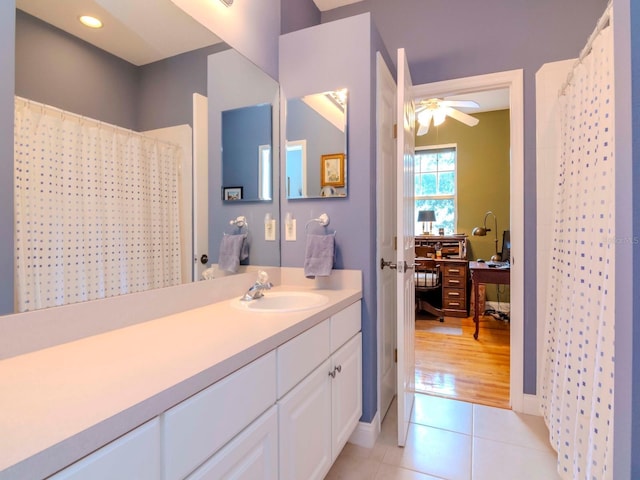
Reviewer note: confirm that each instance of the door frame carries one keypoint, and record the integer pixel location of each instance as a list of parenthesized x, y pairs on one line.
[(513, 80)]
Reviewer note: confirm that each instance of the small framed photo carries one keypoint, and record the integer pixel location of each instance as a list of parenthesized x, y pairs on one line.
[(232, 193), (332, 170)]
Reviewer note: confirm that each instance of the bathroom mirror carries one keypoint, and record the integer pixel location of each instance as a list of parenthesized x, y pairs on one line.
[(316, 147), (247, 154), (36, 36)]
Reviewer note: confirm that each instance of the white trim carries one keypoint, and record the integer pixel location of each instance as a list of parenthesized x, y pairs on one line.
[(513, 80), (366, 434), (531, 405)]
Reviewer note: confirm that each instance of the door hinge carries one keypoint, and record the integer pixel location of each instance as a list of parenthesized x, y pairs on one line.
[(395, 130), (395, 242), (395, 355)]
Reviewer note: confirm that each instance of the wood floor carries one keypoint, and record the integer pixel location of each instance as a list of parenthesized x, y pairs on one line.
[(450, 363)]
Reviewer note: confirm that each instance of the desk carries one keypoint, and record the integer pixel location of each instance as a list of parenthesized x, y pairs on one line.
[(481, 273)]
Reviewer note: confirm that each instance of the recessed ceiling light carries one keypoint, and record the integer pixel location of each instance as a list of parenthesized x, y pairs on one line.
[(91, 22)]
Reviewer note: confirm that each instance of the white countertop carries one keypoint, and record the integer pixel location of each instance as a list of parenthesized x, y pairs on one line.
[(61, 403)]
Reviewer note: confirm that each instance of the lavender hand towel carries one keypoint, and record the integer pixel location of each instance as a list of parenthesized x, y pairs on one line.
[(318, 259), (229, 256)]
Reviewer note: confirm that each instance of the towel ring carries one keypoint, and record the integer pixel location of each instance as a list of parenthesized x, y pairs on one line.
[(322, 220), (240, 222)]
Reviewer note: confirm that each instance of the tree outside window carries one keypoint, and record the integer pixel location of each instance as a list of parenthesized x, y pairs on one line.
[(435, 187)]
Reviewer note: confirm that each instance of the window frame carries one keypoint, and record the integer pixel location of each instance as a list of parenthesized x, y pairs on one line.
[(441, 147)]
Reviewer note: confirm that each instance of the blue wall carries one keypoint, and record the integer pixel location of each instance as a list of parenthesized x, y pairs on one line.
[(243, 131), (462, 38), (7, 76)]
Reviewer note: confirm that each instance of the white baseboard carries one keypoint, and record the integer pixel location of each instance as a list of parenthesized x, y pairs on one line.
[(531, 405), (366, 434)]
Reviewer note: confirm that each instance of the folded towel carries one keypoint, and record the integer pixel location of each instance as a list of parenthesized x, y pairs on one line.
[(318, 259), (230, 251)]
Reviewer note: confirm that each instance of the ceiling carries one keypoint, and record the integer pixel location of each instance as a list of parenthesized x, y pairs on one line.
[(140, 31)]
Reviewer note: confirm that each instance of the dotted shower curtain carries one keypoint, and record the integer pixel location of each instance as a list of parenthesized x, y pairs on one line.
[(578, 364), (96, 209)]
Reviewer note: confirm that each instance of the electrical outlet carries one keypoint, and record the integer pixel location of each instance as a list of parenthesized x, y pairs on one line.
[(290, 231)]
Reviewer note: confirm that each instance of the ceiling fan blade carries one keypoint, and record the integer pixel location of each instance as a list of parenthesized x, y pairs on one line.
[(462, 117), (424, 119), (459, 103)]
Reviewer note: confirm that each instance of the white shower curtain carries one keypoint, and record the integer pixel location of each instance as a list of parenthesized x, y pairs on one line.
[(578, 365), (96, 209)]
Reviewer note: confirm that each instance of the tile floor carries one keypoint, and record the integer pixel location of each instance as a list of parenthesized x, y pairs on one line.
[(450, 439)]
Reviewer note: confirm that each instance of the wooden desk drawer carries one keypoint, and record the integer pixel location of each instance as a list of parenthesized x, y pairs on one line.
[(451, 304), (450, 251), (455, 271), (455, 282), (455, 294)]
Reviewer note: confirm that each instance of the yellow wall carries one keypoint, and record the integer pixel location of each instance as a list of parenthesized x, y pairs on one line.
[(482, 177)]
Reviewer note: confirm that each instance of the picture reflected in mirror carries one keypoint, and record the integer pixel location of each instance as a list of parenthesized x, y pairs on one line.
[(316, 148)]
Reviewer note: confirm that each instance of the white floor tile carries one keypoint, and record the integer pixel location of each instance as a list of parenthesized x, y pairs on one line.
[(443, 413), (390, 472), (433, 451), (510, 427), (494, 460)]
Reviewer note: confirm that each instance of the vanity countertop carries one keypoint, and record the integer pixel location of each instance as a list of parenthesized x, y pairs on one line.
[(61, 403)]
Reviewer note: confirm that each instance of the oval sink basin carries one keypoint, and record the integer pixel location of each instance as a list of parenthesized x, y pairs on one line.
[(275, 302)]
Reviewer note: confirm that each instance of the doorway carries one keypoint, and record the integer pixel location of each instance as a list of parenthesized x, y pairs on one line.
[(513, 81)]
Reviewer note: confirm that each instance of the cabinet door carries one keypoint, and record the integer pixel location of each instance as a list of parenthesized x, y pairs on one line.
[(304, 420), (251, 455), (346, 392), (135, 455)]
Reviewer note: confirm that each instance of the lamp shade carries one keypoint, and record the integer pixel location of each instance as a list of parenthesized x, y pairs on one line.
[(479, 232), (426, 216)]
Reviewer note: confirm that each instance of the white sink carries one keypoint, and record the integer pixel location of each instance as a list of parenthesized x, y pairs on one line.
[(279, 302)]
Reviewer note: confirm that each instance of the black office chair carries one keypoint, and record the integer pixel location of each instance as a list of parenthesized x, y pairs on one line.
[(428, 282)]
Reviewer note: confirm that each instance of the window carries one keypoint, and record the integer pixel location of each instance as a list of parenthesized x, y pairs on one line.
[(264, 172), (435, 187)]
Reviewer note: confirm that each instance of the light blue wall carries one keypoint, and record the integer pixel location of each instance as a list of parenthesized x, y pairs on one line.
[(446, 40), (317, 59), (7, 75)]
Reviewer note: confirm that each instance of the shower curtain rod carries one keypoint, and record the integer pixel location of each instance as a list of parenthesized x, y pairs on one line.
[(603, 22), (98, 123)]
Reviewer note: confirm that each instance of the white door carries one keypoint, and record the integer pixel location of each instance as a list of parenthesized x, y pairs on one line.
[(405, 320), (200, 185), (386, 232)]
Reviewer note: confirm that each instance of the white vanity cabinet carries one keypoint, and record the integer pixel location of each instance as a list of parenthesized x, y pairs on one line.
[(317, 417), (134, 455)]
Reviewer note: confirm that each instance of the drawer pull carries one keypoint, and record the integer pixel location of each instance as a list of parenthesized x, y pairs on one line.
[(454, 304), (454, 270), (454, 294), (456, 282)]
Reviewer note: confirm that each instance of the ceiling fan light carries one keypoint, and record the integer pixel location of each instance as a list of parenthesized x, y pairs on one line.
[(438, 116), (424, 117)]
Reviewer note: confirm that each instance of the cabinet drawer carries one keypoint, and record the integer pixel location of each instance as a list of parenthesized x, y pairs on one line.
[(196, 428), (455, 271), (135, 455), (300, 355), (344, 325), (252, 454), (450, 250)]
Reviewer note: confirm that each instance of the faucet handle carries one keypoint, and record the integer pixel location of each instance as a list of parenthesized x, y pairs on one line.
[(263, 277)]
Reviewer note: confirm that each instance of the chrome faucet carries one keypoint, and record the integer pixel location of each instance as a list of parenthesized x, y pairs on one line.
[(258, 288)]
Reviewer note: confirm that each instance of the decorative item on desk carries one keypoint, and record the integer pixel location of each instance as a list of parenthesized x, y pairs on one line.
[(426, 216), (482, 232), (441, 231)]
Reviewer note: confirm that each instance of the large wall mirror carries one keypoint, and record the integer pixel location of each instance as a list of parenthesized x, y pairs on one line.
[(98, 75), (316, 148)]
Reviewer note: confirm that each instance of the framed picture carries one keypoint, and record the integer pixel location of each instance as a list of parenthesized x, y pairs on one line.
[(232, 193), (332, 170)]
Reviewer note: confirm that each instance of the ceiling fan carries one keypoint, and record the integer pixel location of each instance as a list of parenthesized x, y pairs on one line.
[(438, 109)]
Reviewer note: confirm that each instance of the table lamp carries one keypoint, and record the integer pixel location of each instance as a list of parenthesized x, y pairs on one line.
[(426, 216), (482, 232)]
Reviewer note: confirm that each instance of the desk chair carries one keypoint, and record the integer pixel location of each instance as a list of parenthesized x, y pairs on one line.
[(428, 282)]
